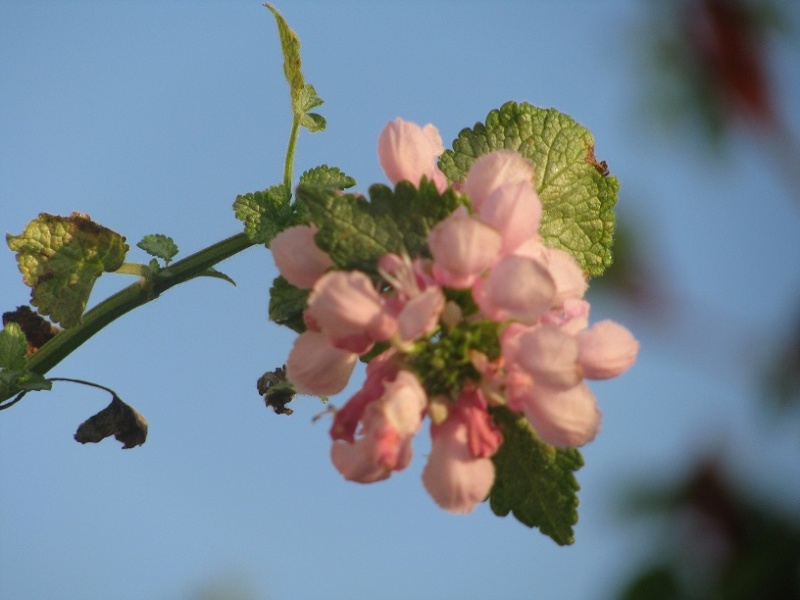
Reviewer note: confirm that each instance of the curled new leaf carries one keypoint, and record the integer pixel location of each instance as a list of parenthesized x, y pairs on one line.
[(60, 259), (117, 419), (304, 96)]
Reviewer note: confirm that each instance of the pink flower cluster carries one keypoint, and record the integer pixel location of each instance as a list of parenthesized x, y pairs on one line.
[(498, 272)]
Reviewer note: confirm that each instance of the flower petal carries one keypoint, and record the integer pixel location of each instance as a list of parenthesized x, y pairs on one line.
[(316, 367), (607, 349)]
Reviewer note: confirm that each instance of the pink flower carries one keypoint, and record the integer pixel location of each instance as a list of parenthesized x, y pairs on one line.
[(462, 248), (570, 281), (514, 210), (346, 307), (380, 370), (408, 152), (316, 367), (516, 288), (420, 315), (607, 350), (387, 427), (419, 301), (490, 171), (562, 418), (460, 473), (297, 256), (550, 356)]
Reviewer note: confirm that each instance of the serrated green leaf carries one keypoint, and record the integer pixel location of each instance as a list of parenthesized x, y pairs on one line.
[(13, 347), (355, 232), (307, 99), (577, 195), (313, 122), (60, 259), (265, 213), (160, 246), (212, 272), (14, 377), (325, 176), (286, 304), (534, 480)]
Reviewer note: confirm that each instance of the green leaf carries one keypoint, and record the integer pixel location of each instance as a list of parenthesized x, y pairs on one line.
[(577, 194), (160, 246), (304, 96), (265, 213), (14, 377), (212, 272), (13, 347), (306, 99), (534, 480), (355, 232), (286, 304), (290, 45), (313, 122), (325, 176), (60, 259)]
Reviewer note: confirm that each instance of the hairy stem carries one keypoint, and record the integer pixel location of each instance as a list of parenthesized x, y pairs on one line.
[(141, 292)]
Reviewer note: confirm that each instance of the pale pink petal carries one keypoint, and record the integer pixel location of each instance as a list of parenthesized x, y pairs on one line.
[(316, 367), (348, 309), (454, 478), (514, 210), (566, 418), (462, 248), (550, 356), (570, 281), (572, 317), (420, 315), (408, 152), (354, 462), (607, 350), (516, 288), (490, 171), (297, 256)]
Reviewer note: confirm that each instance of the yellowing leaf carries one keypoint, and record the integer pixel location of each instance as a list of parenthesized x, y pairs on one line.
[(60, 258)]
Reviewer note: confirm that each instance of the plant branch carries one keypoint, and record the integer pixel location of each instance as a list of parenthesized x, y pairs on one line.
[(141, 292)]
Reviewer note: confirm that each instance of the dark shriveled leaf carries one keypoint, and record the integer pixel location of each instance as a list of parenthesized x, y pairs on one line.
[(117, 419)]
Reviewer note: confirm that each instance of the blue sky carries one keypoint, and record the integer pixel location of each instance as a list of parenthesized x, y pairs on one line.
[(151, 117)]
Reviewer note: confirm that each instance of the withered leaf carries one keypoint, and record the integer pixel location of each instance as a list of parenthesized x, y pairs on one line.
[(117, 419), (38, 331)]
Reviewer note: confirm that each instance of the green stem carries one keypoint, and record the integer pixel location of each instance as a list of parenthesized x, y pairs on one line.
[(136, 294), (134, 269), (289, 164)]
